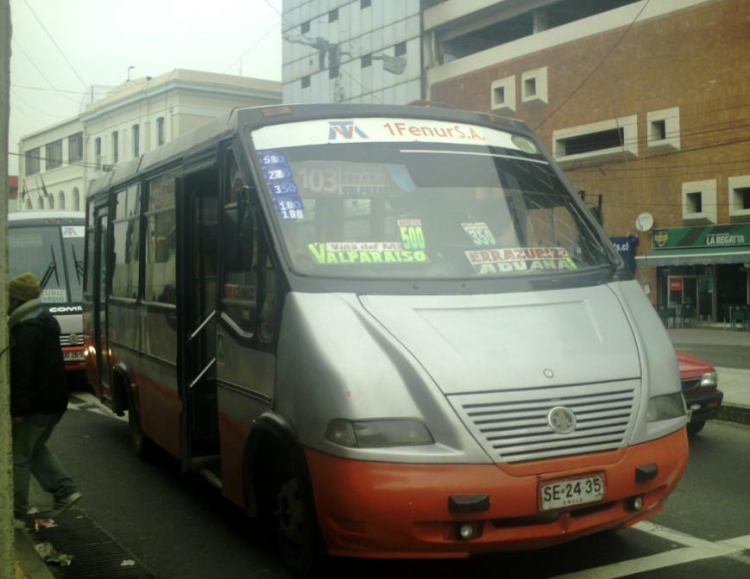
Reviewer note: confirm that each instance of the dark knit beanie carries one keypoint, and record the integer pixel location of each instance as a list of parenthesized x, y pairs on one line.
[(24, 287)]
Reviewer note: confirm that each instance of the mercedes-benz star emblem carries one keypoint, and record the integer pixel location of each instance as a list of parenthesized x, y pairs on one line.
[(561, 420)]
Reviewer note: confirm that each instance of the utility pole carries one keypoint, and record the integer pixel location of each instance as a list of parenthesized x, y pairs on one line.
[(7, 549)]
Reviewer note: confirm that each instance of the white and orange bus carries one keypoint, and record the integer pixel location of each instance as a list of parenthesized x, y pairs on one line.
[(386, 331), (50, 245)]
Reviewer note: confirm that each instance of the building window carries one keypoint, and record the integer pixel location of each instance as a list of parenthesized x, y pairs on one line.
[(61, 201), (333, 15), (305, 82), (739, 198), (98, 152), (305, 27), (694, 203), (534, 87), (76, 199), (699, 202), (333, 72), (115, 147), (53, 154), (504, 95), (365, 4), (366, 61), (663, 130), (136, 140), (400, 49), (32, 161), (160, 132), (75, 148), (597, 143)]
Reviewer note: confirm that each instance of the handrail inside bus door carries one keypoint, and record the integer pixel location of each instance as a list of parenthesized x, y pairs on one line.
[(202, 325), (203, 372)]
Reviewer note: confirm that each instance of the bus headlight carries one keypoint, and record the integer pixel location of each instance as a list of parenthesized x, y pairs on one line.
[(666, 407), (378, 433), (709, 379)]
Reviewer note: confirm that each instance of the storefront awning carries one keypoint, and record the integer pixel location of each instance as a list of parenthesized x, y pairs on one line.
[(695, 256)]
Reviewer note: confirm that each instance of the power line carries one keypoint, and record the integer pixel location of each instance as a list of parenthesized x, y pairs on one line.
[(28, 104), (44, 76), (593, 70), (27, 87), (55, 43), (41, 158), (253, 45), (340, 68)]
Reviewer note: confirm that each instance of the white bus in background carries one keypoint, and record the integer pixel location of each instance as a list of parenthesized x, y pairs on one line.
[(50, 245)]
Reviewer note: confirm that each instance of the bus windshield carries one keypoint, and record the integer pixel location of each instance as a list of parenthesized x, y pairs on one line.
[(399, 198), (54, 254)]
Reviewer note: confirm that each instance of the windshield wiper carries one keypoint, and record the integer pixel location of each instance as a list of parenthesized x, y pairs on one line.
[(51, 268), (78, 264)]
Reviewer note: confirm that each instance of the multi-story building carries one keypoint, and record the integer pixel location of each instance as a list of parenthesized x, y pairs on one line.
[(642, 102), (134, 118), (363, 51)]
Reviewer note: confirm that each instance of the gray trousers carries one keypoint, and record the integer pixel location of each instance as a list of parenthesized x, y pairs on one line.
[(32, 457)]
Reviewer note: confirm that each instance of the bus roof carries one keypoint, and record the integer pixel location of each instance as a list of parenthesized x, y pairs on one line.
[(46, 218)]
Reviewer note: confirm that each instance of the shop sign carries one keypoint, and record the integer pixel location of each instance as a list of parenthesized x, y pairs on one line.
[(675, 284), (729, 235), (626, 247)]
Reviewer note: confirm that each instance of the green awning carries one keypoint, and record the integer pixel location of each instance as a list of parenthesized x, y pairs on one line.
[(695, 256)]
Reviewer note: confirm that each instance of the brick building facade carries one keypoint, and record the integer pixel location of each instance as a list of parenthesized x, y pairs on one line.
[(646, 106)]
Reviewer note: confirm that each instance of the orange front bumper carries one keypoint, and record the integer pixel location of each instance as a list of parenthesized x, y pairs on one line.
[(390, 510)]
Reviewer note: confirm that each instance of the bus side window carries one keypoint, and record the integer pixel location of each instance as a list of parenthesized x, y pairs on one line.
[(238, 251), (161, 241)]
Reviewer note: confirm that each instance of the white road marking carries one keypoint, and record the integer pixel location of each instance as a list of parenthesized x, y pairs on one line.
[(695, 550), (88, 402)]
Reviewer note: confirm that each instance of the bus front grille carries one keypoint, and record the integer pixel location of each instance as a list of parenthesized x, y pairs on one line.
[(71, 339), (513, 425)]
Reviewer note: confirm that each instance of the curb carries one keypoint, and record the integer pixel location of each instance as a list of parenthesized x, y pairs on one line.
[(734, 413), (29, 565)]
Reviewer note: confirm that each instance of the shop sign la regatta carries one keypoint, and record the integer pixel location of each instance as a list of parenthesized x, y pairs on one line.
[(730, 235)]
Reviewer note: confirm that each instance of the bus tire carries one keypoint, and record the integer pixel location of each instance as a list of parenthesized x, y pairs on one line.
[(139, 442), (694, 428), (294, 523)]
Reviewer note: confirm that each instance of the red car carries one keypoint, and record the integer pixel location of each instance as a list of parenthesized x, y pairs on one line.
[(699, 386)]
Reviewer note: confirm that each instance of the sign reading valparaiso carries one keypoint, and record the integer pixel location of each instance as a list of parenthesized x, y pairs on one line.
[(364, 252), (731, 235)]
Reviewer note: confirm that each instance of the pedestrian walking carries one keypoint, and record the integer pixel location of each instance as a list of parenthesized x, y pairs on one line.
[(38, 397)]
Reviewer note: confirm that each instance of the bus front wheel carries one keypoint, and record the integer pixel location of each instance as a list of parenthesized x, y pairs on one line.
[(294, 524)]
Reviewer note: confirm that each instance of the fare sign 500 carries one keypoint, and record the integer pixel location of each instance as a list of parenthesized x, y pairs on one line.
[(571, 492)]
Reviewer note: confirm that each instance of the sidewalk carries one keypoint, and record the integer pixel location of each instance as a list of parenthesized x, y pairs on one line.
[(735, 383)]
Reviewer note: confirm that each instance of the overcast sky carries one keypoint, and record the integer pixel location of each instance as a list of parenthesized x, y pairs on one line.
[(62, 49)]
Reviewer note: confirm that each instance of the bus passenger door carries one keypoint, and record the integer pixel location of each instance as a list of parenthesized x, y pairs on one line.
[(101, 342), (199, 420)]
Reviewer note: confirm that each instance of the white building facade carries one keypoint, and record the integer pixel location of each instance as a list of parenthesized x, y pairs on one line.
[(51, 168), (58, 162)]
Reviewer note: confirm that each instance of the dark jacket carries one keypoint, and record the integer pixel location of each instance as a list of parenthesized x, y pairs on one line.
[(37, 369)]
